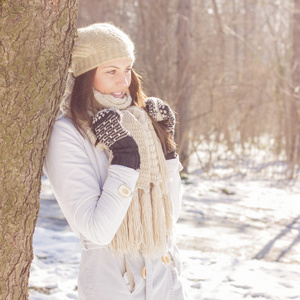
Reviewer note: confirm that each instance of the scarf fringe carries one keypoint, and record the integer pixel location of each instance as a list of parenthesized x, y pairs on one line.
[(159, 224), (118, 245), (148, 241), (147, 226), (135, 229)]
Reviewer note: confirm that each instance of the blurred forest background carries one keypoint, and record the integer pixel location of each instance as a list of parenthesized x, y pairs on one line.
[(230, 68)]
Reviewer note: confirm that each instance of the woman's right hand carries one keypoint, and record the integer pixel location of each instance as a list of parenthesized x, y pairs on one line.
[(110, 131)]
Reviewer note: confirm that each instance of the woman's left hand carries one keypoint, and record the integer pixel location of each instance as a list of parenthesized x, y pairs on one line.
[(161, 112)]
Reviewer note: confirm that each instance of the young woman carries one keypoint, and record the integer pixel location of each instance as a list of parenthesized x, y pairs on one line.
[(115, 173)]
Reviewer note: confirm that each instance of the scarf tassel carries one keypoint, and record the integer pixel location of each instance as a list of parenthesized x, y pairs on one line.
[(129, 236), (147, 225), (158, 219), (148, 237)]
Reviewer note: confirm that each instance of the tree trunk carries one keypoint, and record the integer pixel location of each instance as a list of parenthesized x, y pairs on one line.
[(35, 46), (95, 11), (183, 80), (294, 106)]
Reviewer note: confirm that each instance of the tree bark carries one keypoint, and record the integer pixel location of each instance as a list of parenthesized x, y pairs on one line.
[(95, 11), (293, 136), (35, 46), (183, 80)]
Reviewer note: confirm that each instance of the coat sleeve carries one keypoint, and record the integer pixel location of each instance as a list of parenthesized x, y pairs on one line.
[(93, 209), (174, 184)]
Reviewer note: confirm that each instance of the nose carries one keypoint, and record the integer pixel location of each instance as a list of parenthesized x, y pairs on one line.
[(123, 80)]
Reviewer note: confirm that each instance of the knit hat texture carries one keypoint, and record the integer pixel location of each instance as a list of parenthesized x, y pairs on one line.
[(97, 44)]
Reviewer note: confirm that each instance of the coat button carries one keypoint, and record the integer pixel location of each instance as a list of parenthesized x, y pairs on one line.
[(166, 259), (124, 191), (143, 272)]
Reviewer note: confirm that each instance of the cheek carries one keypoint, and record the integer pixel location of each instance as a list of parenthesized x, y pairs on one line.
[(100, 83), (129, 79)]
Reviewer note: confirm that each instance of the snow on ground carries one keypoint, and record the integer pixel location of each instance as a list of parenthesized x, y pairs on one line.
[(240, 240), (239, 237)]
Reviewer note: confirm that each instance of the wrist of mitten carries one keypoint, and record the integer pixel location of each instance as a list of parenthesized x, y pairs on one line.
[(125, 152), (171, 155), (110, 131), (170, 149)]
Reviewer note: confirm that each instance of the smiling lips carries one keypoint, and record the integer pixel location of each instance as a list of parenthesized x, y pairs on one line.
[(118, 95)]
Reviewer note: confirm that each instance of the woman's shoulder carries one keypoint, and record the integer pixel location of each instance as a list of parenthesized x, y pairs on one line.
[(64, 128), (64, 121)]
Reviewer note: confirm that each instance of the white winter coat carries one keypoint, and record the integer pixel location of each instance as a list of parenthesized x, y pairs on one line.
[(90, 196)]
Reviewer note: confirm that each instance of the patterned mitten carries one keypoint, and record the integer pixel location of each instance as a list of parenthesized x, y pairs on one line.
[(161, 112), (109, 131)]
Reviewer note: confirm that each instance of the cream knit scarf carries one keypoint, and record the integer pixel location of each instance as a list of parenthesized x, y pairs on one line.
[(148, 225)]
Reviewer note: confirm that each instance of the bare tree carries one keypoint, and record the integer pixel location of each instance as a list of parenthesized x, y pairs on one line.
[(93, 11), (183, 78), (35, 46), (293, 150)]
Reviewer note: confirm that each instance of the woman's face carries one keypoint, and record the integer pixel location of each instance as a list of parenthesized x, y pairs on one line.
[(114, 77)]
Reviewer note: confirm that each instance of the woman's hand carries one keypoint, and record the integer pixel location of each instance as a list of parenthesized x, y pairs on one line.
[(110, 131), (161, 112)]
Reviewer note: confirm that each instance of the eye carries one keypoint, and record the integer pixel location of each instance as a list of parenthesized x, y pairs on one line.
[(128, 70), (111, 72)]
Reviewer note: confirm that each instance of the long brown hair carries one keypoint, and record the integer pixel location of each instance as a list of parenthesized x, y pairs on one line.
[(83, 101)]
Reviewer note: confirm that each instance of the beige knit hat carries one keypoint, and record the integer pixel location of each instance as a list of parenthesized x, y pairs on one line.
[(97, 44)]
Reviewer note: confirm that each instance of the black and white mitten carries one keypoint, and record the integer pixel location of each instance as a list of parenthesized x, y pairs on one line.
[(110, 131), (161, 112)]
